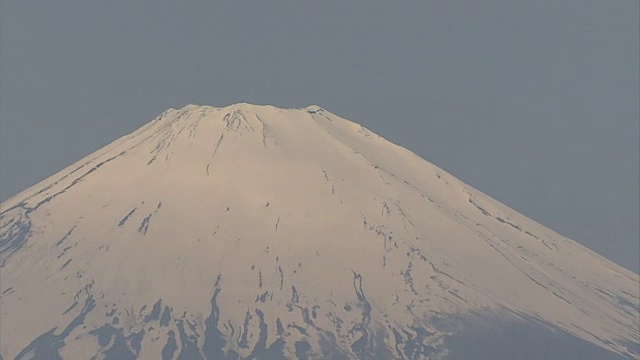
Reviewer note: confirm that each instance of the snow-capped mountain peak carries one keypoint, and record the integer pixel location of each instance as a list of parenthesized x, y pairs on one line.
[(258, 232)]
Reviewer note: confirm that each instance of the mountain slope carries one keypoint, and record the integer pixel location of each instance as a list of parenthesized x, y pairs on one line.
[(257, 232)]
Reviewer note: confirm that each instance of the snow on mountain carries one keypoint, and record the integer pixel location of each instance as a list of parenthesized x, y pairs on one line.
[(258, 232)]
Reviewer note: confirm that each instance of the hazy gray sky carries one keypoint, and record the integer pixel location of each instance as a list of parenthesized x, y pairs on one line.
[(533, 102)]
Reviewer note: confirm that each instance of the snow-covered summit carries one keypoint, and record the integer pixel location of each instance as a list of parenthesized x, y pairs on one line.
[(256, 232)]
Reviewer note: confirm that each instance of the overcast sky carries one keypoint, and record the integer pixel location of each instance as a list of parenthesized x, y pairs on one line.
[(533, 102)]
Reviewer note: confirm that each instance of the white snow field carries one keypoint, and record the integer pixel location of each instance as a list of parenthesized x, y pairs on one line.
[(253, 232)]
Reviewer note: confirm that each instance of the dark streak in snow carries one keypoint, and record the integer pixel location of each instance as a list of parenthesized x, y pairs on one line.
[(74, 182), (66, 236), (144, 226), (15, 237), (360, 347)]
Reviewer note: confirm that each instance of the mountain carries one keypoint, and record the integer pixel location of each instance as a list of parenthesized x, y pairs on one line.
[(253, 232)]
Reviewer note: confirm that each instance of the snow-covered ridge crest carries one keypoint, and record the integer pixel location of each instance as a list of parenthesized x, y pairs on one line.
[(256, 232)]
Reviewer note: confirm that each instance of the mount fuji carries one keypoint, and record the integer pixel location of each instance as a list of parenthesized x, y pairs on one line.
[(253, 232)]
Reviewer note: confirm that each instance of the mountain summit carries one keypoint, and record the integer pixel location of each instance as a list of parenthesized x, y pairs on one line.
[(253, 232)]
